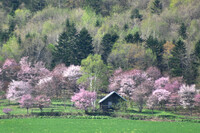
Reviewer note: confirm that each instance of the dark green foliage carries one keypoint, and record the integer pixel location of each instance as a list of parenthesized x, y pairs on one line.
[(4, 36), (12, 25), (191, 71), (125, 27), (182, 31), (178, 61), (197, 49), (95, 4), (135, 14), (157, 49), (35, 5), (129, 38), (156, 7), (107, 43), (137, 37), (98, 23), (84, 43), (72, 47), (133, 38), (19, 40), (66, 50), (11, 5)]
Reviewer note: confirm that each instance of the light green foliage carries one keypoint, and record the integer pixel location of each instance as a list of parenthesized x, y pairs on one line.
[(48, 27), (129, 56), (51, 47), (174, 3), (11, 49), (155, 26), (22, 16), (1, 59), (193, 31), (94, 73), (89, 17)]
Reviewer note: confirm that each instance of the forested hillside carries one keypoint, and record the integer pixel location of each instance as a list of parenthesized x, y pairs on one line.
[(128, 34)]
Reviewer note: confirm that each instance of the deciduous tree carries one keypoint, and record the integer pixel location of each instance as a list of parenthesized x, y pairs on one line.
[(26, 101), (42, 101), (84, 99), (187, 95)]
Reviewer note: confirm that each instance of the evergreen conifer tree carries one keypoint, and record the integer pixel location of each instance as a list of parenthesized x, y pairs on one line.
[(197, 49), (133, 38), (107, 43), (156, 7), (66, 50), (136, 14), (178, 61), (182, 31), (84, 43), (157, 49)]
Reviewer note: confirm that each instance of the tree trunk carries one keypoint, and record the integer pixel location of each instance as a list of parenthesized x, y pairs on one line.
[(40, 109), (27, 110), (152, 111)]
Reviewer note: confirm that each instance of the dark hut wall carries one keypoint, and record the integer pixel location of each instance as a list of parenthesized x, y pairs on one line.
[(114, 98)]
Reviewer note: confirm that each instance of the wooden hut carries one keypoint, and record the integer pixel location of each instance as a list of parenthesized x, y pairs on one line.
[(110, 100)]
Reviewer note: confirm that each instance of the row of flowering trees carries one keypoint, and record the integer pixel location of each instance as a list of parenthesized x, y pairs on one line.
[(151, 89), (34, 85)]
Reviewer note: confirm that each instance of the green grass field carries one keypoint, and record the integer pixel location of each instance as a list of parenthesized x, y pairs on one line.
[(61, 125)]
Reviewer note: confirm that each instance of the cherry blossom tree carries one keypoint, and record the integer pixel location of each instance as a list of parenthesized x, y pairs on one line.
[(126, 82), (58, 79), (187, 96), (84, 99), (46, 86), (115, 80), (172, 86), (127, 86), (26, 101), (42, 101), (10, 69), (140, 97), (17, 89), (32, 74), (197, 100), (153, 72), (71, 75), (8, 73), (162, 82), (174, 101), (162, 95), (152, 102)]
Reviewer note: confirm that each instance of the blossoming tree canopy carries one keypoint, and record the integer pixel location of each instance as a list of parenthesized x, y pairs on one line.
[(42, 101), (17, 89), (84, 99), (187, 94), (26, 101)]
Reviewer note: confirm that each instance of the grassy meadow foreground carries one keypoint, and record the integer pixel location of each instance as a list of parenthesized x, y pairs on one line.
[(60, 125)]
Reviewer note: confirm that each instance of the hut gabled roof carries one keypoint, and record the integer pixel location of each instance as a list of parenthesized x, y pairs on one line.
[(110, 94)]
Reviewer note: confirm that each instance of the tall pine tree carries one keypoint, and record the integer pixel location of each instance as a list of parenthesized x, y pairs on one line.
[(84, 43), (107, 43), (183, 31), (157, 49), (197, 49), (72, 46), (66, 50), (178, 61), (156, 7)]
